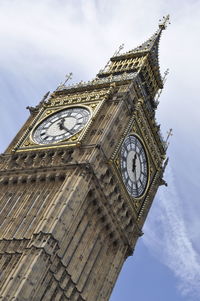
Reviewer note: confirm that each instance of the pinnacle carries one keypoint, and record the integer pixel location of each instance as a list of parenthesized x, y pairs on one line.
[(152, 43), (151, 48)]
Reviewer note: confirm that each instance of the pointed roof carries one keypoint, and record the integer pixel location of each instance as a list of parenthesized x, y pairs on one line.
[(152, 43), (150, 48)]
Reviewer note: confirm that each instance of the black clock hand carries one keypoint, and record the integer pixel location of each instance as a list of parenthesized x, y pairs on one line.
[(63, 127), (136, 183), (134, 165), (61, 124), (134, 170)]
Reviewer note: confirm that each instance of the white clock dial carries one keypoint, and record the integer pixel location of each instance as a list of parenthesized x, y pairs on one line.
[(61, 125), (134, 167)]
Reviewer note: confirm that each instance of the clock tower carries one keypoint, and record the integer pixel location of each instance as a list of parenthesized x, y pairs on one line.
[(78, 180)]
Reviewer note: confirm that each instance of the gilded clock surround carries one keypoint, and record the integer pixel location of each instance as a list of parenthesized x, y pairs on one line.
[(133, 129), (67, 222), (61, 125), (75, 140), (147, 165)]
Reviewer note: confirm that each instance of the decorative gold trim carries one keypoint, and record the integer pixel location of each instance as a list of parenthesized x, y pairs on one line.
[(93, 108), (78, 144), (48, 113), (117, 160)]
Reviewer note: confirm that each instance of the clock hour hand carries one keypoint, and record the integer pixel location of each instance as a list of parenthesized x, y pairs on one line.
[(63, 127), (134, 165), (61, 124), (135, 175)]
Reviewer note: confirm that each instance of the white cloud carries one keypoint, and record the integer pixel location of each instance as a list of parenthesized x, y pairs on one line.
[(167, 236)]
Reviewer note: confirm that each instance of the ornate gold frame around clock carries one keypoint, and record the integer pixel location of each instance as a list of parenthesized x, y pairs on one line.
[(116, 159), (27, 142)]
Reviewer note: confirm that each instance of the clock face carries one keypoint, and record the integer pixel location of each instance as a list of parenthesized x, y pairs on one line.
[(61, 125), (134, 167)]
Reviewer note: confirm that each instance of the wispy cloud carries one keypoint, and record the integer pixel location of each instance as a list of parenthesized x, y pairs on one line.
[(167, 236)]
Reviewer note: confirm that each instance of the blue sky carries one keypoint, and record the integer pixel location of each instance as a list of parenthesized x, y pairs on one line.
[(42, 40)]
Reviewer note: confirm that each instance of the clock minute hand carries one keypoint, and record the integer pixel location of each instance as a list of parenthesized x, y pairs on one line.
[(135, 175), (63, 127), (66, 129), (134, 165)]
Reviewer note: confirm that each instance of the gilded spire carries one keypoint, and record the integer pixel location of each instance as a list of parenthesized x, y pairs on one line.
[(164, 22), (152, 43), (151, 48), (142, 61)]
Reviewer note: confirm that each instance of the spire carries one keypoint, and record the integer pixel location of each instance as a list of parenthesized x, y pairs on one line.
[(151, 45), (150, 48)]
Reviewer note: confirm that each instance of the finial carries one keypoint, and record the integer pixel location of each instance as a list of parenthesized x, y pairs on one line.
[(164, 22), (165, 163), (165, 75), (162, 181), (119, 50), (157, 97), (115, 54), (169, 133), (164, 78), (68, 77)]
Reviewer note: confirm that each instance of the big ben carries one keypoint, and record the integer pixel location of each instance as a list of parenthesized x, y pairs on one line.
[(78, 180)]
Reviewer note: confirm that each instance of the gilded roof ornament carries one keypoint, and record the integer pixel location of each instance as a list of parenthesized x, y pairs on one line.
[(164, 78), (165, 75), (117, 52), (67, 78), (153, 41), (163, 23), (169, 134)]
